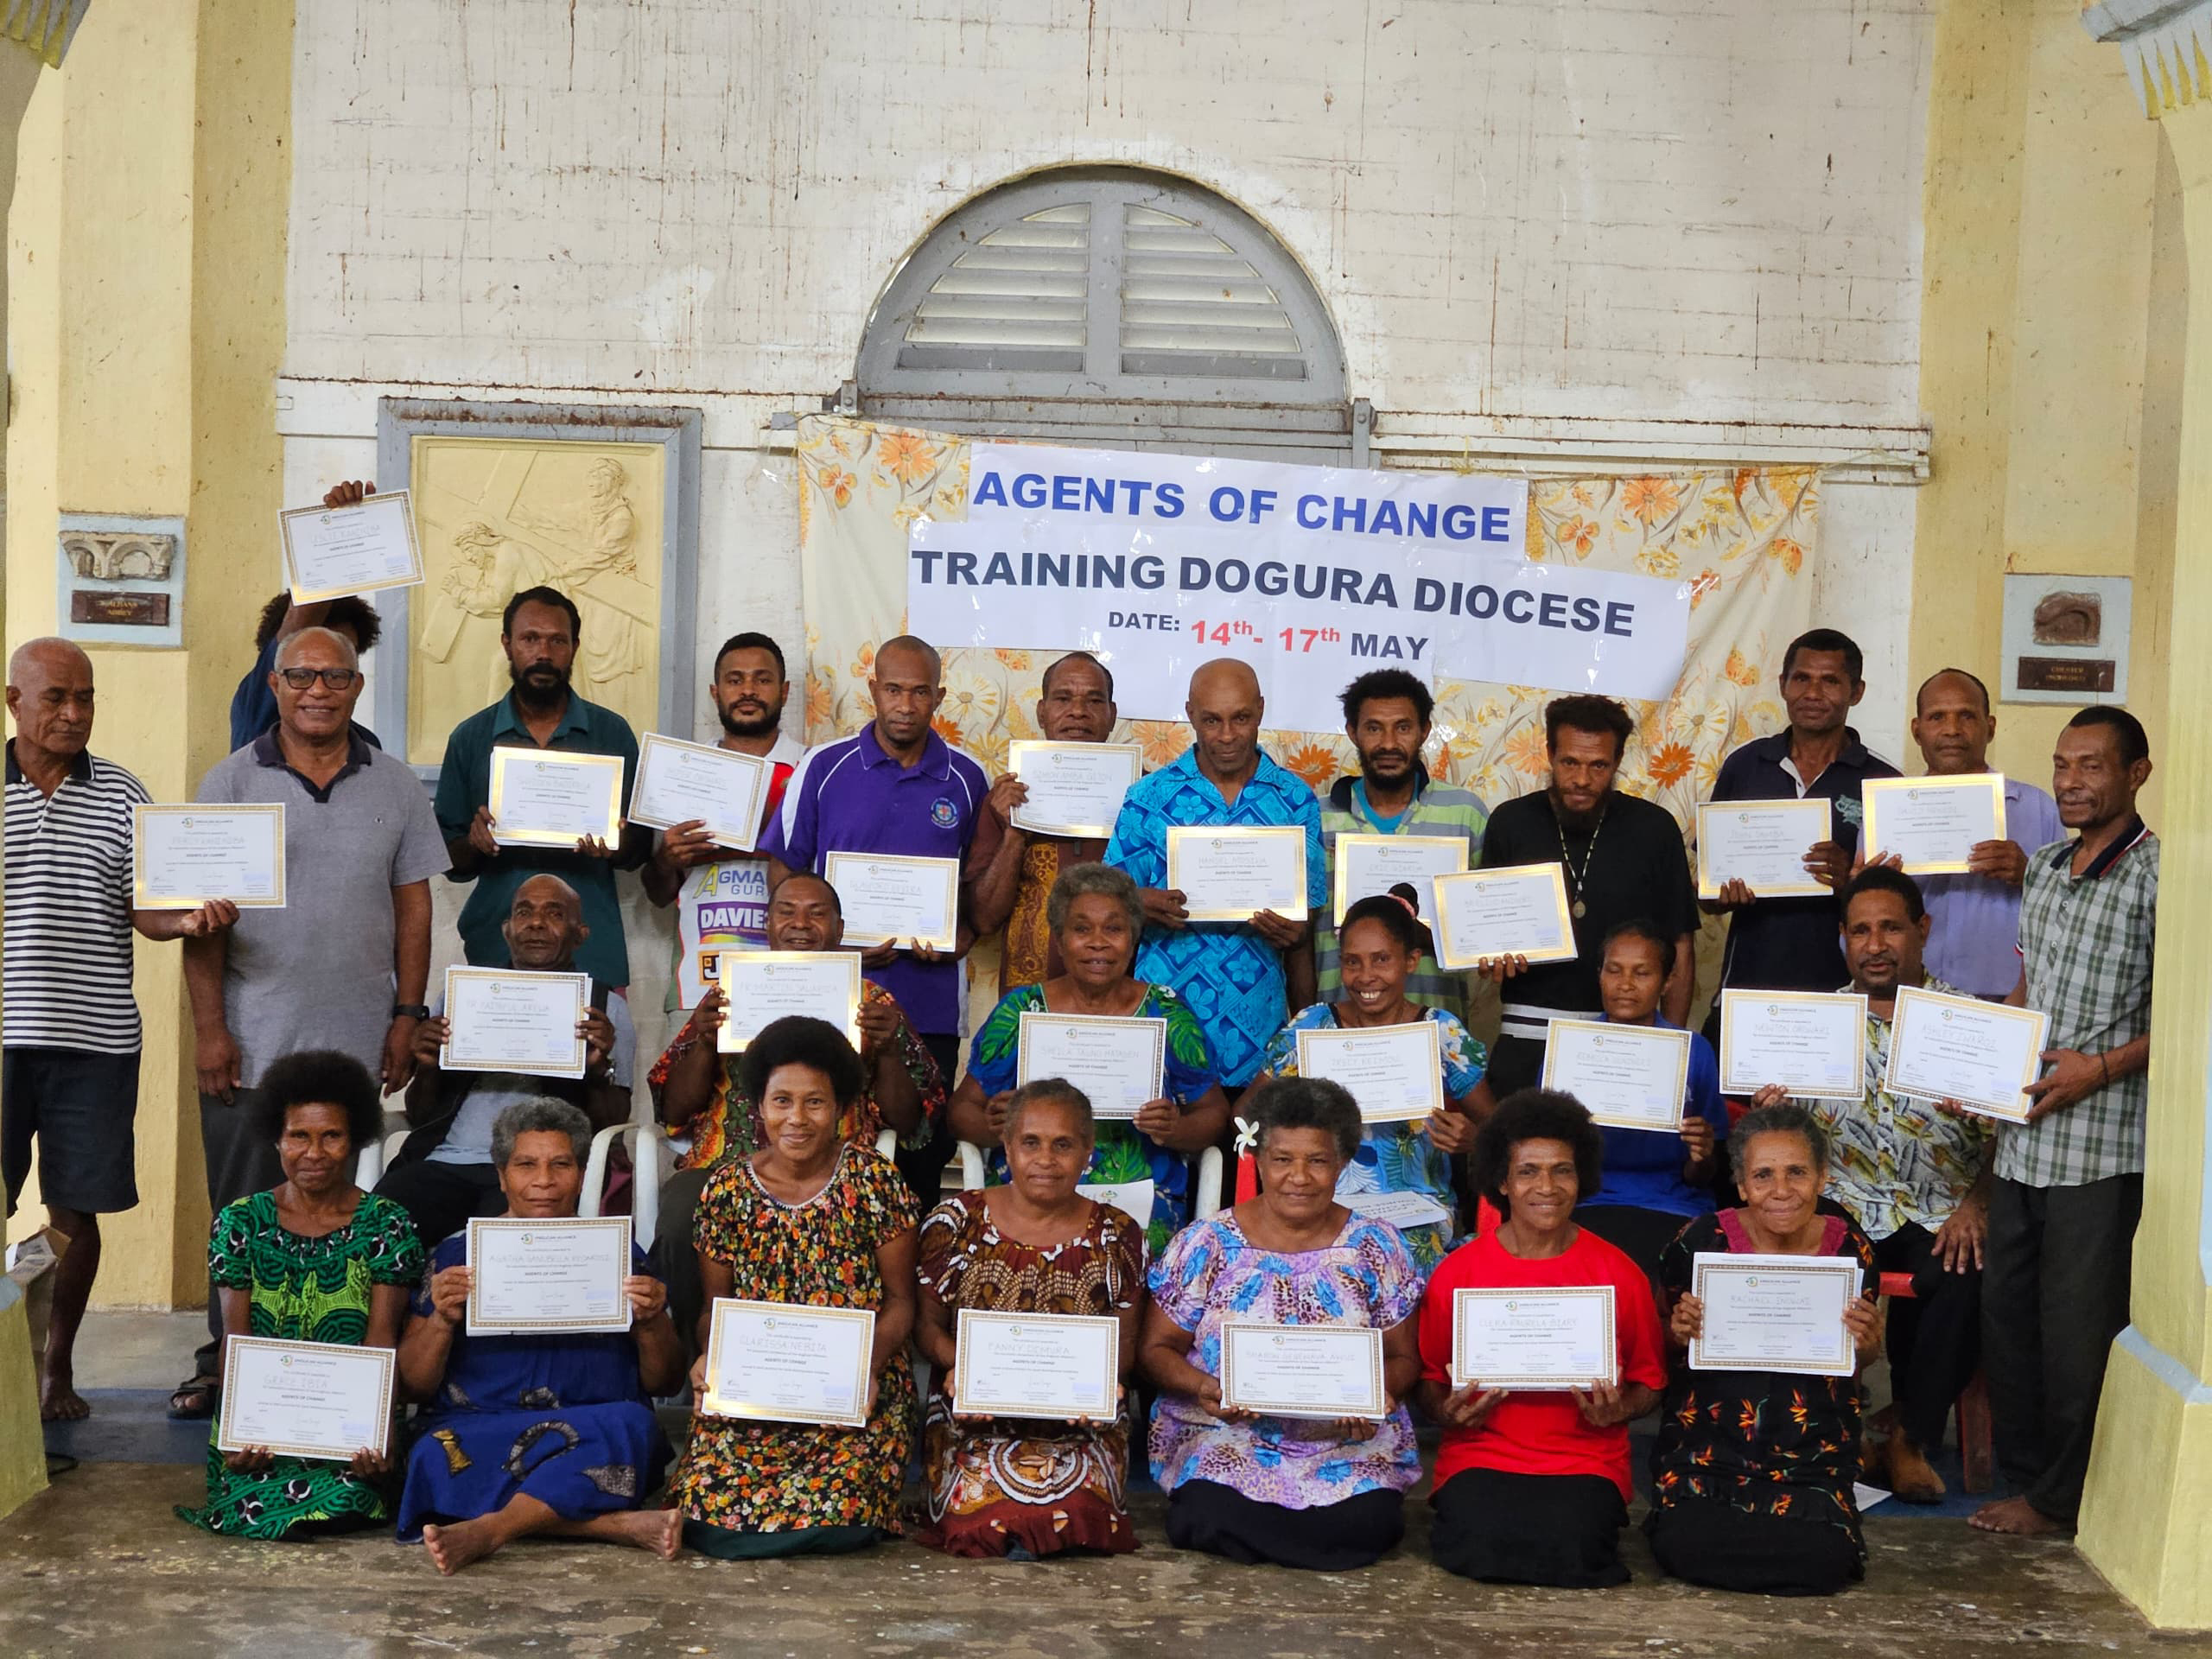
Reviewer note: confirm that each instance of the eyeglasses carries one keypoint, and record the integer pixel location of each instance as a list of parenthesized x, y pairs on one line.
[(336, 679)]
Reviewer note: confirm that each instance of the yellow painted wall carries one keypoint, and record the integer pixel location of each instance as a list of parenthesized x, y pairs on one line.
[(2053, 406), (146, 328)]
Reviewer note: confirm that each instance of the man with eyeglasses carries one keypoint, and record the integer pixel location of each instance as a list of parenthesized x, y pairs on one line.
[(343, 964)]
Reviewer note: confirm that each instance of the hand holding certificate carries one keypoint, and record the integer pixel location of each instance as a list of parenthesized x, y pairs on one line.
[(1059, 1367), (1774, 1313), (1982, 1055), (499, 1021), (357, 549), (1072, 789), (1327, 1371), (698, 783), (553, 798), (305, 1399), (1552, 1338), (1933, 824), (530, 1274), (1394, 1072), (1119, 1064), (1518, 911), (1630, 1077), (888, 898), (1762, 844), (1811, 1043), (183, 856), (787, 1363), (1367, 865), (1230, 875)]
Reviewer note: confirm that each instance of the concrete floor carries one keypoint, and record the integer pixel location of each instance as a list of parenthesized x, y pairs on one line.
[(99, 1564)]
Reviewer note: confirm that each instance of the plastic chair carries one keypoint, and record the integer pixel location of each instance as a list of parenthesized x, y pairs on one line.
[(1977, 1441), (1206, 1201), (645, 1178), (971, 1166)]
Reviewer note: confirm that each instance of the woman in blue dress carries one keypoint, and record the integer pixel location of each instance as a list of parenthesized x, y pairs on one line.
[(550, 1434)]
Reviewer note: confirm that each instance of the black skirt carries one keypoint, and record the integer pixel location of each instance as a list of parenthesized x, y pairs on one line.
[(1330, 1538), (1705, 1541), (1559, 1530)]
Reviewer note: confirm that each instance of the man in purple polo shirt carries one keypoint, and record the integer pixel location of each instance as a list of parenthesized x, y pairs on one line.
[(897, 787)]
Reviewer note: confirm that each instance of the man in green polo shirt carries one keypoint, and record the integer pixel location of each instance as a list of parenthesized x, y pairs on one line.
[(1386, 717), (539, 635)]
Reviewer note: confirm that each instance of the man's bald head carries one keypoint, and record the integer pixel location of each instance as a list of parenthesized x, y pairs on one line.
[(1225, 676), (545, 924), (543, 889), (50, 696), (911, 653), (46, 657), (1224, 708), (907, 685)]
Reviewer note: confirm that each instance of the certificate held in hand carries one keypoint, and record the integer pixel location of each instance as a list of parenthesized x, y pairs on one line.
[(1558, 1337), (680, 783), (552, 798), (1303, 1370), (304, 1398), (1774, 1313), (1394, 1072), (761, 987), (788, 1363), (530, 1274), (1368, 865), (498, 1019), (1983, 1055), (1074, 788), (1516, 910), (1933, 823), (1630, 1077), (1230, 875), (888, 898), (1761, 843), (1057, 1367), (1812, 1043), (182, 856), (1119, 1063), (330, 551)]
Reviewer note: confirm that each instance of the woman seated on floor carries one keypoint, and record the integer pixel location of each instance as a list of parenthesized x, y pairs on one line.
[(809, 1218), (1381, 941), (314, 1259), (1018, 1486), (1294, 1491), (551, 1433), (1751, 1477), (1532, 1484)]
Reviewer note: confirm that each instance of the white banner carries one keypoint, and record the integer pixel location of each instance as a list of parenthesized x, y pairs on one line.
[(1313, 575)]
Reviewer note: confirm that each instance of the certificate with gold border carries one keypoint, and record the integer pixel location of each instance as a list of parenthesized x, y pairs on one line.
[(1629, 1076), (1230, 873), (363, 549), (1933, 822), (759, 987), (1363, 865), (1303, 1370), (181, 856), (1812, 1043), (1558, 1336), (1774, 1313), (1061, 1368), (324, 1399), (505, 1019), (1762, 844), (554, 797), (678, 782), (1519, 909), (789, 1362), (1074, 788), (1983, 1055), (1394, 1072), (1118, 1061), (529, 1274), (893, 897)]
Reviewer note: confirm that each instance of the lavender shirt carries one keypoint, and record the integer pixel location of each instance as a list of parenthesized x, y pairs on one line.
[(1974, 921)]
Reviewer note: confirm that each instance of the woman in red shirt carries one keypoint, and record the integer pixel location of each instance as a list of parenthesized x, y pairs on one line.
[(1532, 1484)]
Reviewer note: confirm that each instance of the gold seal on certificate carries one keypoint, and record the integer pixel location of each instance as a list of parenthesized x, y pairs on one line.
[(1063, 1368), (1761, 843), (1074, 788), (529, 1274), (182, 856), (1118, 1062), (1812, 1043), (1982, 1054), (304, 1398), (1933, 823), (1516, 910), (553, 798), (1231, 874), (890, 898), (679, 782), (1774, 1313), (1557, 1337), (1630, 1077), (760, 987), (498, 1019), (789, 1362), (1367, 865), (329, 551), (1394, 1072), (1303, 1370)]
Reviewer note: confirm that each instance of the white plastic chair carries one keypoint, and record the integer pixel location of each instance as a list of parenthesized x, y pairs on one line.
[(971, 1166), (644, 1141), (1207, 1200)]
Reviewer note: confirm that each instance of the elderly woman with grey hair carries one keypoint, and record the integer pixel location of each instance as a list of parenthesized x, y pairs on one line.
[(1096, 919), (551, 1433)]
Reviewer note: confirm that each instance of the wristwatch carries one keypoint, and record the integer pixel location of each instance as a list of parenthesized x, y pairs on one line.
[(411, 1010)]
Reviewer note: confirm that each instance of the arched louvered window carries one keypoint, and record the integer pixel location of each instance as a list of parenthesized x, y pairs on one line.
[(1108, 305)]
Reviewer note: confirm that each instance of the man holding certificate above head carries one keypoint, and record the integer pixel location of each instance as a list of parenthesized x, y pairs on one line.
[(72, 1037), (506, 818), (1539, 1346), (253, 707), (1788, 943), (343, 962), (2069, 1190), (1076, 707), (1403, 826), (1621, 859), (722, 896), (1916, 1176), (498, 1039), (1975, 916), (1244, 969)]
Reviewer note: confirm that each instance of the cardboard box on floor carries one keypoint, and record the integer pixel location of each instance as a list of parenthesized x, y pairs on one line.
[(30, 1266)]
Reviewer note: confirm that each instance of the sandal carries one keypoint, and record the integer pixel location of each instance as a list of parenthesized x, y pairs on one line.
[(194, 1400)]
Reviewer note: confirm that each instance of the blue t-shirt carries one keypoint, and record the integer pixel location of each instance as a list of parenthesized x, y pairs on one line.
[(1643, 1168)]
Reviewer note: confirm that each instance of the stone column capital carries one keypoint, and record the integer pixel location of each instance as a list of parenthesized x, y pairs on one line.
[(2168, 45)]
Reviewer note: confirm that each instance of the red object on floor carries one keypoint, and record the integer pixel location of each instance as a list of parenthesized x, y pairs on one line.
[(1977, 1445)]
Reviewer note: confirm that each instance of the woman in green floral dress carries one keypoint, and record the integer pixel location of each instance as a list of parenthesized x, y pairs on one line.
[(1096, 919), (313, 1260)]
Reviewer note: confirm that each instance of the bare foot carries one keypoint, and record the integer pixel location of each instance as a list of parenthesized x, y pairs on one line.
[(2015, 1516), (1910, 1477), (658, 1530), (455, 1546), (59, 1401)]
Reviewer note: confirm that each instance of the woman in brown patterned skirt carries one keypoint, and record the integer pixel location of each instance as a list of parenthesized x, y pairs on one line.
[(1023, 1487)]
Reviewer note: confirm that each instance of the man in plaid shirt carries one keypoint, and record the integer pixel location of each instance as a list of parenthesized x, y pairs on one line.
[(2070, 1181)]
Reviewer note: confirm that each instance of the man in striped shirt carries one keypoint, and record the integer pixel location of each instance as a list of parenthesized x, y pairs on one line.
[(69, 1077)]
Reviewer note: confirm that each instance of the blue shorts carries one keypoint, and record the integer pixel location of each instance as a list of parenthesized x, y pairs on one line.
[(79, 1106)]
